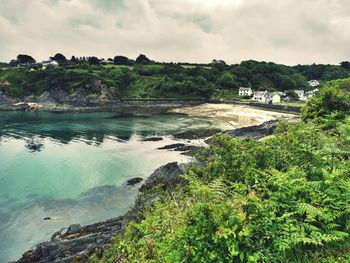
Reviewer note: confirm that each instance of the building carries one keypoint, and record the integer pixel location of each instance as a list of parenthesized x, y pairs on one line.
[(262, 96), (301, 94), (49, 63), (311, 93), (245, 92), (313, 83), (276, 97)]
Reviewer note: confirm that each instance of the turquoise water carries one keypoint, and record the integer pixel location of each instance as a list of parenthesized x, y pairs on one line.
[(74, 167)]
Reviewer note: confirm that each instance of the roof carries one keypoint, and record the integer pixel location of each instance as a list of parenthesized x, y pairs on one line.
[(260, 93), (244, 88), (277, 93)]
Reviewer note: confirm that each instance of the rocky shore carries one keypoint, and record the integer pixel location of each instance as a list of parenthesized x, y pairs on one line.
[(77, 244)]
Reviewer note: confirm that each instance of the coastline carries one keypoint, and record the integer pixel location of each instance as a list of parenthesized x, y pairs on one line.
[(134, 106), (78, 243)]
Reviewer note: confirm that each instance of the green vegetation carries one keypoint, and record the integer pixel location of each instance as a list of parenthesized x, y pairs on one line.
[(144, 78), (282, 199)]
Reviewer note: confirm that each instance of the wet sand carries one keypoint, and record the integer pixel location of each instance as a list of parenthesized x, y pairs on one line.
[(235, 115)]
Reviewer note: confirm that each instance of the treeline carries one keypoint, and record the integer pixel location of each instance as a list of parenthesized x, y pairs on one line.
[(148, 78)]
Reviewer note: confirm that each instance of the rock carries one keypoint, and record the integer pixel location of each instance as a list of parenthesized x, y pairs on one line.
[(34, 145), (65, 247), (172, 146), (152, 139), (134, 181), (167, 175), (55, 236), (73, 229), (189, 150), (257, 131), (196, 134)]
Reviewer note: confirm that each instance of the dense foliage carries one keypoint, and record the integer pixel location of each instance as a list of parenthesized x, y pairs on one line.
[(282, 199), (331, 105), (149, 79)]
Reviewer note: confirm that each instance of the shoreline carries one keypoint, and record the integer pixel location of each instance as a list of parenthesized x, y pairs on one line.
[(77, 243), (137, 106), (97, 237)]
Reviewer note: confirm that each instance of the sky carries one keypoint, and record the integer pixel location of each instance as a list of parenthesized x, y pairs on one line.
[(282, 31)]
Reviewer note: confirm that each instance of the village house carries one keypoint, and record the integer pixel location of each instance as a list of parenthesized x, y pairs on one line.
[(301, 94), (276, 97), (245, 92), (313, 83), (262, 96), (311, 93), (49, 63)]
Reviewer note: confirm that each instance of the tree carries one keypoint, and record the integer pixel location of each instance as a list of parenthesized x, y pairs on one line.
[(219, 65), (292, 95), (59, 58), (331, 100), (345, 64), (120, 60), (142, 59), (73, 60), (93, 60), (25, 59), (227, 80)]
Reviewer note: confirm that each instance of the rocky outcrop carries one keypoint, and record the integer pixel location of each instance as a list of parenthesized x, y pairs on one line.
[(77, 244), (196, 134), (167, 176), (257, 131)]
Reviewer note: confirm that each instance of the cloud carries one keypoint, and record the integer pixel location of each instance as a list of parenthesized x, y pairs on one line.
[(180, 30)]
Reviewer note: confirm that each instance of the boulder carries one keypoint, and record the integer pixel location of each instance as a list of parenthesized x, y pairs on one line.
[(73, 229), (256, 131), (168, 175)]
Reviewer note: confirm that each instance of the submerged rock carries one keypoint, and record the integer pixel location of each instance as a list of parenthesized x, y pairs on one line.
[(34, 145), (189, 150), (197, 134), (175, 146), (134, 181), (152, 139)]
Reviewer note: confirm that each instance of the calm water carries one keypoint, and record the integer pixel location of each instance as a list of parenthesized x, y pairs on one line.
[(73, 168)]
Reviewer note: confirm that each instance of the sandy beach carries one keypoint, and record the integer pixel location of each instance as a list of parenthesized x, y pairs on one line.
[(233, 114)]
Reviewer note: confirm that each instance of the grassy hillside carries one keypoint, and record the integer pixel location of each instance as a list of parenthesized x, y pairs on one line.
[(215, 80), (282, 199)]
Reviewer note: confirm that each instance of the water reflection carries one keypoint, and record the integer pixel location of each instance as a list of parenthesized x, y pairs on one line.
[(73, 168), (91, 127)]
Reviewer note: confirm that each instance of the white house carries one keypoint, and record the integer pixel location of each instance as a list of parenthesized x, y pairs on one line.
[(313, 83), (244, 92), (301, 94), (276, 97), (311, 93), (50, 63), (262, 96)]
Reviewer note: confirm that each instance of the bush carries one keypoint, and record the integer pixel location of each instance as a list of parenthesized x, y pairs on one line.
[(284, 199), (331, 101)]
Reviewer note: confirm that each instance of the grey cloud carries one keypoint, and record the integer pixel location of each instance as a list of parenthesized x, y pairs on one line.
[(287, 31)]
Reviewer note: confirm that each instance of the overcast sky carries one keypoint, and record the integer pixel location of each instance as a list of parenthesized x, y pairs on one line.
[(283, 31)]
